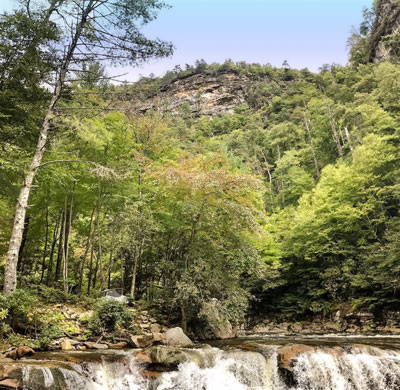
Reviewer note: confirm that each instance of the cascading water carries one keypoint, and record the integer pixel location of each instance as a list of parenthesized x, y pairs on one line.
[(123, 374), (316, 368), (236, 370), (365, 368)]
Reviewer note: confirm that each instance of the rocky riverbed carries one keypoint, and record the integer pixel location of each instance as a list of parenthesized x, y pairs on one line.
[(258, 362)]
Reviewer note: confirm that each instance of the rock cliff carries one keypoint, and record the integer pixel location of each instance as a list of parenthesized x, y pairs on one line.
[(385, 31), (202, 94)]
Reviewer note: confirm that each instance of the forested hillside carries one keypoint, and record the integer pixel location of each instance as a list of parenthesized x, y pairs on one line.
[(287, 204)]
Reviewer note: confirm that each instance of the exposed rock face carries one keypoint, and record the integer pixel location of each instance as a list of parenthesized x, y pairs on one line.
[(341, 321), (204, 94), (387, 23), (177, 338), (215, 325)]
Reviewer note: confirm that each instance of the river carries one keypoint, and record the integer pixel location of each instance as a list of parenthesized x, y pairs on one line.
[(256, 362)]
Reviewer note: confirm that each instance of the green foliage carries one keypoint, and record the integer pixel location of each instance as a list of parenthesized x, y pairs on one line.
[(48, 326), (289, 204), (109, 316), (16, 309), (54, 295)]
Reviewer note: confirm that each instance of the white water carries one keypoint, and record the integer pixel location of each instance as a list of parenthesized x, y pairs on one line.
[(363, 369), (355, 368), (236, 370)]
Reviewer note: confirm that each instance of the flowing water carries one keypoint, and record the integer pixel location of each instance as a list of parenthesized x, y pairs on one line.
[(255, 363)]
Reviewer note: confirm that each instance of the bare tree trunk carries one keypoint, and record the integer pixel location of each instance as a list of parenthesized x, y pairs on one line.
[(307, 124), (10, 273), (45, 245), (184, 317), (341, 136), (139, 249), (134, 270), (23, 243), (67, 234), (335, 135), (92, 254), (122, 285), (346, 130), (110, 268), (99, 262), (61, 249), (53, 247), (100, 252), (138, 256), (83, 259)]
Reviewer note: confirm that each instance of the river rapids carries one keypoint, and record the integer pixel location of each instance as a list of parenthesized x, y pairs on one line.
[(249, 365)]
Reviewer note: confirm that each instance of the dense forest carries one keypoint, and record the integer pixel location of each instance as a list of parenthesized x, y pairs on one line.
[(288, 206)]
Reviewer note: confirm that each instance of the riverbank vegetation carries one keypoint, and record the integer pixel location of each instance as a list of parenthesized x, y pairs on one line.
[(287, 206)]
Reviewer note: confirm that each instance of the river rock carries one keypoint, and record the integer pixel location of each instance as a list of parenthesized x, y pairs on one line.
[(143, 357), (20, 352), (120, 345), (93, 345), (142, 341), (67, 346), (24, 351), (9, 384), (215, 325), (155, 328), (176, 337), (99, 346), (159, 338), (166, 357), (288, 353)]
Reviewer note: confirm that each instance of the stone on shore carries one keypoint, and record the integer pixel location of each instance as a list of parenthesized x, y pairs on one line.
[(176, 337)]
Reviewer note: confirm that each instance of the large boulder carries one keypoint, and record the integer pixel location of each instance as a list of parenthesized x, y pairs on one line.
[(168, 357), (20, 352), (142, 341), (177, 338), (24, 351), (163, 358), (215, 325)]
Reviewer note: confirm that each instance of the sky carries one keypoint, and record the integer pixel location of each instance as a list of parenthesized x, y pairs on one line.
[(306, 33)]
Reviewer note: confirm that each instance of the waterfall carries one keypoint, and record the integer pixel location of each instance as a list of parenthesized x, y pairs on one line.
[(316, 368), (119, 374), (236, 370), (364, 368)]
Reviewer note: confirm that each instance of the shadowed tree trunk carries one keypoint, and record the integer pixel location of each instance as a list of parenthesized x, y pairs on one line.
[(61, 252), (45, 245), (52, 250), (23, 243), (83, 259)]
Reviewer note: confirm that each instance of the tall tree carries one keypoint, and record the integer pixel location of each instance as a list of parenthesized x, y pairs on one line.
[(95, 30)]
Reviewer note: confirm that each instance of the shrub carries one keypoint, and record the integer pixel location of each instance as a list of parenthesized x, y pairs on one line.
[(109, 316), (48, 326), (16, 309), (54, 295)]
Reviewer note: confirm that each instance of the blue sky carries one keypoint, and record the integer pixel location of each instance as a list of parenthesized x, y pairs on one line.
[(306, 33)]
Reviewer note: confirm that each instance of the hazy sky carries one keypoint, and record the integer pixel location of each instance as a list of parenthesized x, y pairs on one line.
[(306, 33)]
